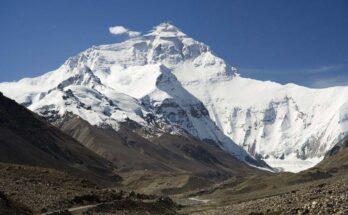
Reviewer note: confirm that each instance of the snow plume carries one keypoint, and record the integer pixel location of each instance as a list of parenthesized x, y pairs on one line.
[(118, 30)]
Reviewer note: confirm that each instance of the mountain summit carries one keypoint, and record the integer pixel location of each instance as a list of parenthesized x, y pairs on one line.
[(167, 82), (166, 30)]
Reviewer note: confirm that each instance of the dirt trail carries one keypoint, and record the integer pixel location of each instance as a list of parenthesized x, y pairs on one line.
[(73, 209)]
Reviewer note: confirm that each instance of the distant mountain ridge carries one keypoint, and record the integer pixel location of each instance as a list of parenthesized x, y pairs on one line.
[(26, 138), (167, 82)]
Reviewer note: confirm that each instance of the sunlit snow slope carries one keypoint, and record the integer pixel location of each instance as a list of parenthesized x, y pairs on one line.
[(168, 82)]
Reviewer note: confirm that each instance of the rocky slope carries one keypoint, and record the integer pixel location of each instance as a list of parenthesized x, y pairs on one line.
[(129, 151), (36, 190), (319, 190), (322, 198), (8, 206), (168, 82)]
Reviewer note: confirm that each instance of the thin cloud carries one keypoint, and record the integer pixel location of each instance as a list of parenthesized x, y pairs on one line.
[(322, 69), (118, 30), (330, 82), (321, 77)]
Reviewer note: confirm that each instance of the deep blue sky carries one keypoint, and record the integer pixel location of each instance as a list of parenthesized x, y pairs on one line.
[(305, 42)]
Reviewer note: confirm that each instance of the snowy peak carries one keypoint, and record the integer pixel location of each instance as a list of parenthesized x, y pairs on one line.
[(166, 30), (167, 44)]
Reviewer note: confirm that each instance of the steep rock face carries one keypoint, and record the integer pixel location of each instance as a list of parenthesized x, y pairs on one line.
[(291, 127), (340, 146), (166, 81), (336, 159)]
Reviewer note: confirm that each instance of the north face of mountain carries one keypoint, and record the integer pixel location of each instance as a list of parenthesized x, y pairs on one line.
[(167, 82)]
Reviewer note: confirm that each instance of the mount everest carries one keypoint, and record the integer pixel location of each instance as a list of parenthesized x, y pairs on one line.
[(166, 81)]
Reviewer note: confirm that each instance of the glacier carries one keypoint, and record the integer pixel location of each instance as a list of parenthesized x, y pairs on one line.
[(168, 82)]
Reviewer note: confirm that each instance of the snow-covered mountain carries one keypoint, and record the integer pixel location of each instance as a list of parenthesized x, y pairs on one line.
[(168, 82)]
